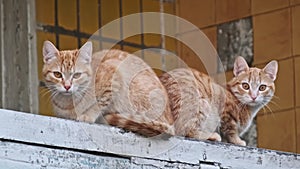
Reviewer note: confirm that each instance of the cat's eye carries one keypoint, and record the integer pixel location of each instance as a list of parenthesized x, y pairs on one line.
[(262, 87), (245, 86), (57, 74), (76, 75)]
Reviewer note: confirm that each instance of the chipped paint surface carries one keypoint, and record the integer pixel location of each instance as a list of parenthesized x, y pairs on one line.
[(34, 141)]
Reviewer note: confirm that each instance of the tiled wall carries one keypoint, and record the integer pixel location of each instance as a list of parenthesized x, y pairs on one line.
[(276, 31)]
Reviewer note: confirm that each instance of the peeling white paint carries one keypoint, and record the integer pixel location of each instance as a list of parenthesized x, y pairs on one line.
[(79, 139)]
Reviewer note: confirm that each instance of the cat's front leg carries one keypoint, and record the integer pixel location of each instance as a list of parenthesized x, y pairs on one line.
[(230, 132), (90, 115)]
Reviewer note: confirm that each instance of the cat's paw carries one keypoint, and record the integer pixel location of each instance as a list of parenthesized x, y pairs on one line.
[(241, 142), (237, 140), (85, 118), (214, 137)]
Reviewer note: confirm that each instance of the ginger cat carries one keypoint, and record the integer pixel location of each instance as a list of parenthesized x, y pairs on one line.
[(200, 106), (110, 86)]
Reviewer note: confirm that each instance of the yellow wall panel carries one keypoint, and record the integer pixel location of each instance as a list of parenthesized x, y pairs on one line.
[(272, 36), (134, 39), (67, 42), (259, 6), (169, 7), (152, 39), (130, 7), (227, 10), (151, 6), (89, 16), (297, 82), (298, 129), (132, 29), (277, 131), (67, 14), (211, 34), (200, 12), (45, 11), (170, 43), (296, 29), (189, 58), (294, 2), (132, 50), (109, 10), (107, 45)]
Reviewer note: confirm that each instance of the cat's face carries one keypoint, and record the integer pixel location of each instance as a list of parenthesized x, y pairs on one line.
[(253, 86), (68, 71)]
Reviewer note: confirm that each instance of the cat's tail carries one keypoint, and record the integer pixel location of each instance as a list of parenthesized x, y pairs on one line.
[(149, 129)]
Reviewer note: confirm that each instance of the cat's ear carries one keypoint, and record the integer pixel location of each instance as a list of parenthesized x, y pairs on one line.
[(271, 69), (49, 51), (240, 65), (86, 51)]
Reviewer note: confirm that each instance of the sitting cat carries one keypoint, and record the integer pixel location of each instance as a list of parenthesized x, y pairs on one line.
[(110, 86), (200, 106)]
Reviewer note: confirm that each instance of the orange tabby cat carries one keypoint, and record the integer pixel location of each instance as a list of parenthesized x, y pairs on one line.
[(199, 105), (110, 86)]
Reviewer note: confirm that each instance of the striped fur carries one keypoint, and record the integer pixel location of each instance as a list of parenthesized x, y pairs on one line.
[(114, 87), (200, 106)]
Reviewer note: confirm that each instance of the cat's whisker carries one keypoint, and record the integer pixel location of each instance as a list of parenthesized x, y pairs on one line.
[(268, 107), (271, 111), (267, 110), (274, 103), (53, 95), (49, 90), (44, 94), (264, 110), (275, 97), (48, 99)]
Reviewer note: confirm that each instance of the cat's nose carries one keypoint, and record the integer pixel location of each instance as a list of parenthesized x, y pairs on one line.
[(67, 87), (253, 97)]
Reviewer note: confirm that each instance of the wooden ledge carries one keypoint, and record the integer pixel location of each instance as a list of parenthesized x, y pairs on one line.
[(34, 141)]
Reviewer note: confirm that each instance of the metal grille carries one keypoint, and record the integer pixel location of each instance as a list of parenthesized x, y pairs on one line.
[(79, 35)]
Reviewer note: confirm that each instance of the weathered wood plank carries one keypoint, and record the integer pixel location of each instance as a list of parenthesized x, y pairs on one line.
[(1, 51), (19, 83), (18, 155), (27, 156), (33, 58), (99, 138), (148, 163)]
